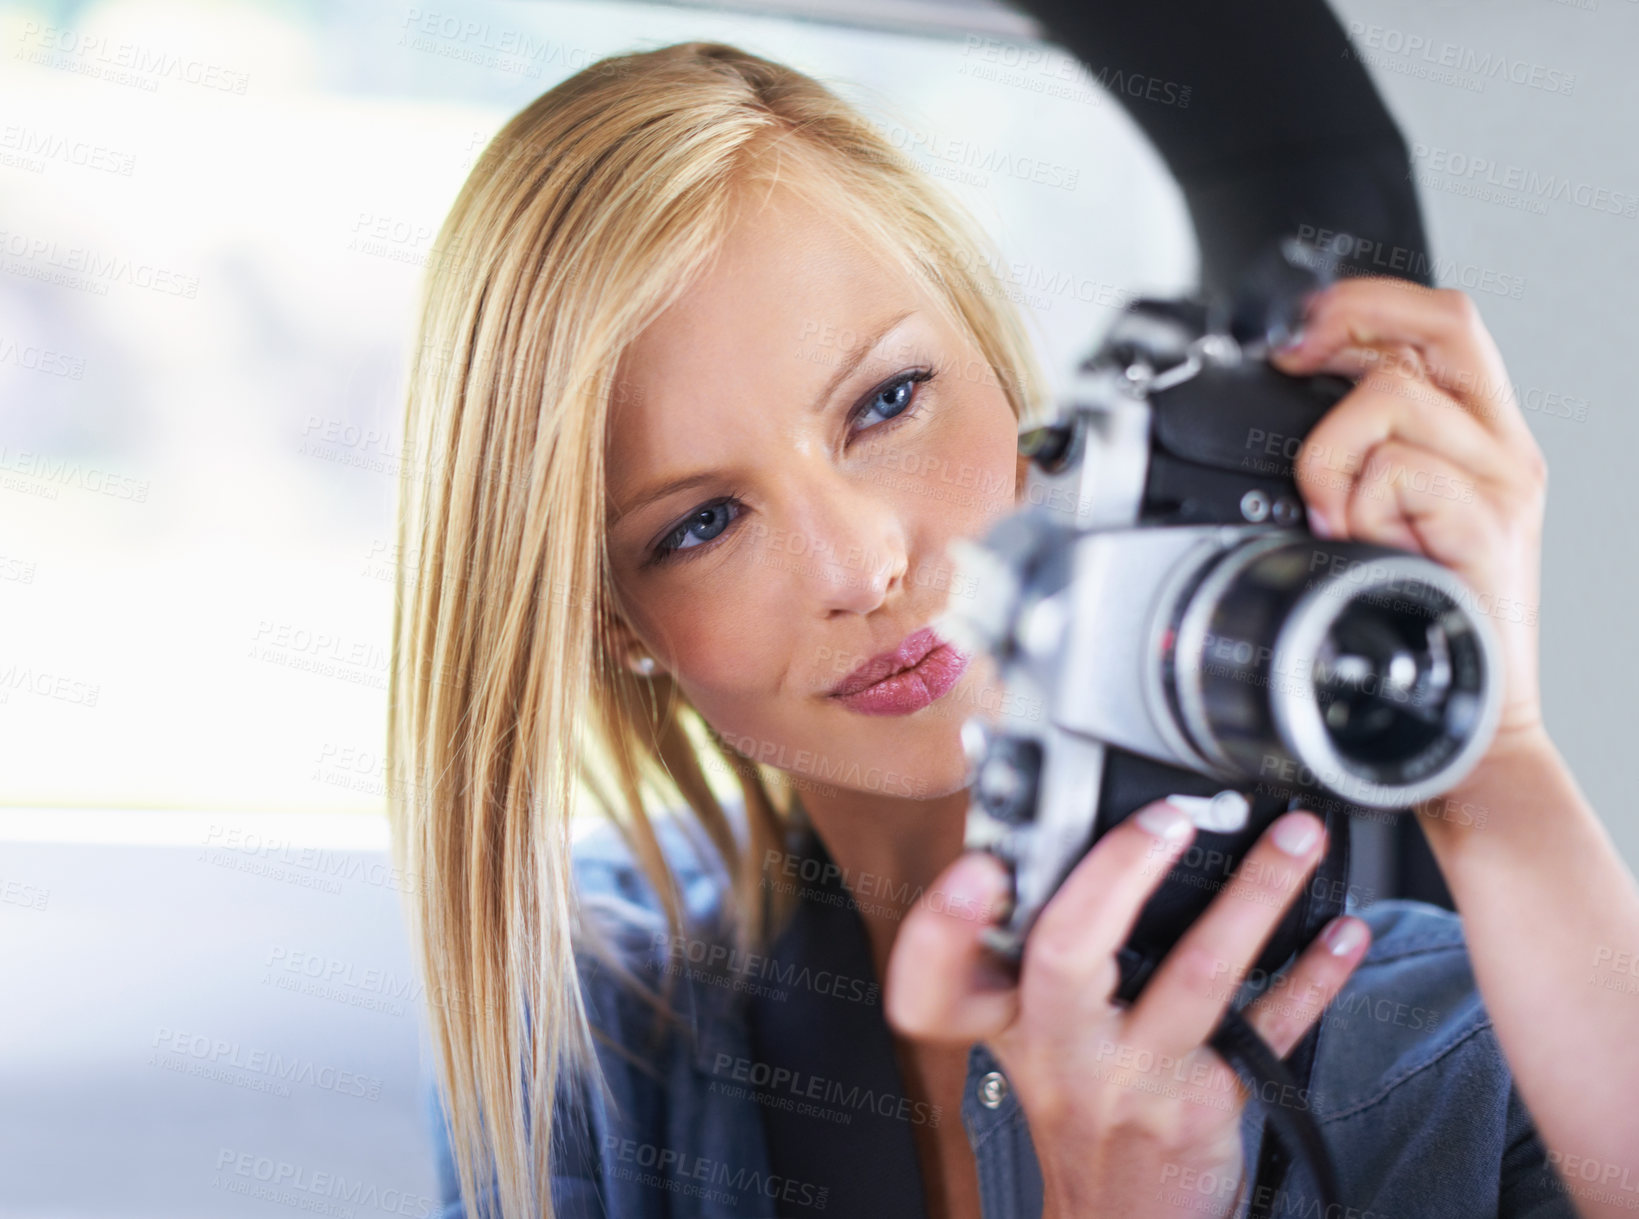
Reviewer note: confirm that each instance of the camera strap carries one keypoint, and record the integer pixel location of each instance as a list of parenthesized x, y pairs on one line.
[(1288, 1130), (1131, 781)]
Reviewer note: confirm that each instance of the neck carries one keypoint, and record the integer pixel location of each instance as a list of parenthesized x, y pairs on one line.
[(890, 850)]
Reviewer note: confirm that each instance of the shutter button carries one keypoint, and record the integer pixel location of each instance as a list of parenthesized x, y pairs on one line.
[(993, 1090)]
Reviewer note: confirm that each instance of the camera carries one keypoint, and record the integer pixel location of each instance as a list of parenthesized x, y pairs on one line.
[(1175, 630)]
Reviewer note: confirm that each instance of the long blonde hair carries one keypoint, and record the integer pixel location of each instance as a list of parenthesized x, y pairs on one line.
[(588, 213)]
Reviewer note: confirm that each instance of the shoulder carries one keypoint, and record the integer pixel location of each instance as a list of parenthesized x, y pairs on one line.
[(613, 888), (660, 1099), (1409, 1004), (1411, 1085), (1418, 952), (648, 1068), (628, 951)]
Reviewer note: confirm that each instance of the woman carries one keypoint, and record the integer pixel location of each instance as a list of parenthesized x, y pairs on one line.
[(706, 382)]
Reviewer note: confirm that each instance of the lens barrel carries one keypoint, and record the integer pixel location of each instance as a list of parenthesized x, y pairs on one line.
[(1337, 666)]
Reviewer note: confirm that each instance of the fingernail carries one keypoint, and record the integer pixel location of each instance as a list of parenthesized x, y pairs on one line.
[(1292, 341), (1318, 524), (1166, 821), (977, 879), (1295, 833), (1343, 935)]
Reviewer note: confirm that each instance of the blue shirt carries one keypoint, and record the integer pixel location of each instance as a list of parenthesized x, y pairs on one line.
[(781, 1096)]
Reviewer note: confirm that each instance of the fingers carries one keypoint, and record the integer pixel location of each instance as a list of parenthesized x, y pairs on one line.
[(1284, 1013), (941, 983), (1395, 406), (1443, 325), (1069, 957), (1393, 399), (1404, 497), (1183, 1002)]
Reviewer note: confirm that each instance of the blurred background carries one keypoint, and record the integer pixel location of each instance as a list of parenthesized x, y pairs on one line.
[(213, 220)]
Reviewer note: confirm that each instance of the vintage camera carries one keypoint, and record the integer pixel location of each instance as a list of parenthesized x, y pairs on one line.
[(1165, 625)]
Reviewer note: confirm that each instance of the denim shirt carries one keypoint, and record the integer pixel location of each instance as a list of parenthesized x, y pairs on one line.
[(781, 1096)]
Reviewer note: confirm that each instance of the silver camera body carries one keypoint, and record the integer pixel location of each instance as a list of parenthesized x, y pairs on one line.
[(1166, 626)]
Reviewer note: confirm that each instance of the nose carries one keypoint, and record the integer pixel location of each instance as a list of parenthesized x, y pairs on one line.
[(859, 552)]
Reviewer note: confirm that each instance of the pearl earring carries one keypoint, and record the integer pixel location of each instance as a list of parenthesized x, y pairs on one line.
[(643, 666)]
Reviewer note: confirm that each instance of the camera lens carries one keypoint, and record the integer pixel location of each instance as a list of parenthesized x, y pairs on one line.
[(1342, 667), (1384, 683)]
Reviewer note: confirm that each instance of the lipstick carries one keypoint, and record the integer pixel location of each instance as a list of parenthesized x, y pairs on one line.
[(923, 668)]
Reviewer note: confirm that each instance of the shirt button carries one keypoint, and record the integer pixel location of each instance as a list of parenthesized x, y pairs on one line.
[(993, 1090)]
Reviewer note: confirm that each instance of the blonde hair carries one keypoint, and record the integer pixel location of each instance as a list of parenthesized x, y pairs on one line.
[(588, 213)]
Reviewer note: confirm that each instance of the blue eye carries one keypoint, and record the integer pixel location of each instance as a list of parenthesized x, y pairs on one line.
[(895, 399), (704, 524), (892, 397)]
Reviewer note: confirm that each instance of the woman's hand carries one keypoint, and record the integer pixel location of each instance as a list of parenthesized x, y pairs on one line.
[(1543, 891), (1430, 453), (1124, 1104)]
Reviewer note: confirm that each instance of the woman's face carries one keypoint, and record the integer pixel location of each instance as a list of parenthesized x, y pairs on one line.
[(835, 433)]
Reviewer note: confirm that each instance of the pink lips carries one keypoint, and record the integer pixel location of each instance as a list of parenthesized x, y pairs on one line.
[(920, 670)]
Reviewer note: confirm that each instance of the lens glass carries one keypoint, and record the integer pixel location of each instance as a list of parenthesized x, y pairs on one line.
[(1384, 680)]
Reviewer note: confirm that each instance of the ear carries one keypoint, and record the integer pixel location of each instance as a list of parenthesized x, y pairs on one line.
[(623, 640), (628, 649)]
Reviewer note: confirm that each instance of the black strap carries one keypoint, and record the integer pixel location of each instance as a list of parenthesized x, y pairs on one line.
[(1323, 900), (1285, 1127), (1280, 128)]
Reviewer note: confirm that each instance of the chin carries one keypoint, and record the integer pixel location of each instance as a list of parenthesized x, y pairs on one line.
[(953, 783), (931, 755)]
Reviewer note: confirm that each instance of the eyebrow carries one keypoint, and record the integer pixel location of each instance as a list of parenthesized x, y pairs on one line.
[(845, 369)]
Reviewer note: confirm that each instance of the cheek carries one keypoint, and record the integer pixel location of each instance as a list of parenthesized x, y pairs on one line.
[(708, 619), (717, 650), (976, 469)]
